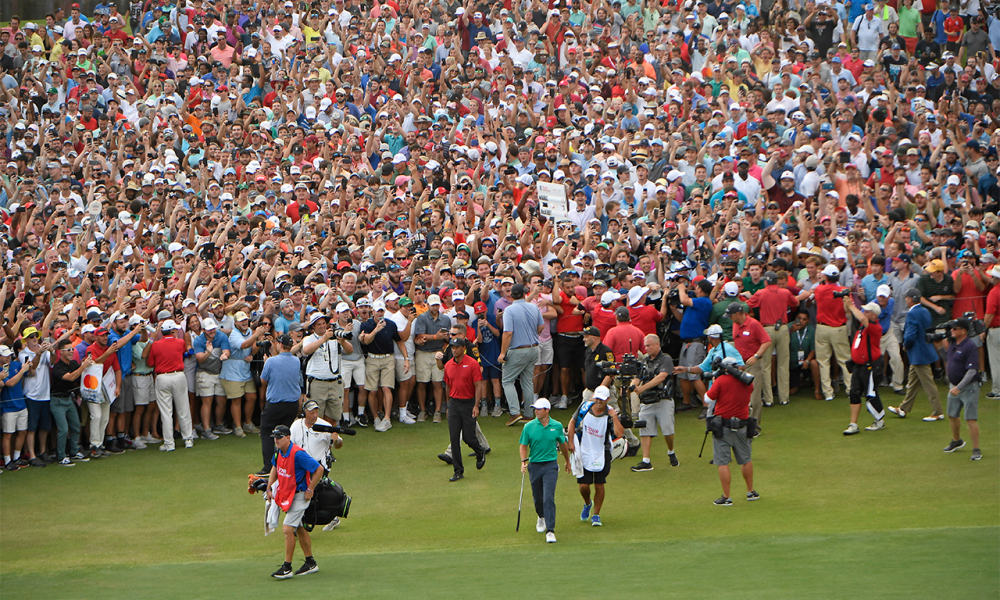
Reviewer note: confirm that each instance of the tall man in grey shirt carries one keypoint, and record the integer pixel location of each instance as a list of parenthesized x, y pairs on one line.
[(522, 322), (430, 332), (902, 280)]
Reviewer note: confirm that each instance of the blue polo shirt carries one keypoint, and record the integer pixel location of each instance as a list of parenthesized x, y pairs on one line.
[(12, 398), (125, 352), (283, 379), (522, 320)]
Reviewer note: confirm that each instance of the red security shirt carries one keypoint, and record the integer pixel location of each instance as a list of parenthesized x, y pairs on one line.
[(461, 377), (829, 310), (645, 317), (774, 303), (749, 337), (96, 350), (166, 355), (859, 349), (625, 338), (567, 322), (603, 319), (732, 398)]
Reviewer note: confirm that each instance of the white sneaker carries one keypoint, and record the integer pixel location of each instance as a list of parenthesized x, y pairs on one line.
[(550, 538), (66, 462), (562, 402), (540, 525), (386, 424), (378, 424), (880, 424), (406, 418), (138, 444), (189, 443), (852, 429), (149, 439), (497, 411), (332, 524), (167, 448)]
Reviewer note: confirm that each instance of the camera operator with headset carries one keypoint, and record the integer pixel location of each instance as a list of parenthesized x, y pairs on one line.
[(655, 407), (316, 441), (324, 384), (730, 424), (831, 326)]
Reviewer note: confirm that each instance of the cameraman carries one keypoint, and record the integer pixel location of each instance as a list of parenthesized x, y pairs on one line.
[(831, 327), (324, 384), (655, 408), (694, 320), (962, 366), (594, 353), (716, 349), (865, 354), (316, 443), (593, 426), (731, 402), (922, 355), (754, 344)]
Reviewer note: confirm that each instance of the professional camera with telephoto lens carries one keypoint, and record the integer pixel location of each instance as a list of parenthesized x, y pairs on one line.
[(976, 327), (343, 334), (720, 369), (842, 293), (630, 367)]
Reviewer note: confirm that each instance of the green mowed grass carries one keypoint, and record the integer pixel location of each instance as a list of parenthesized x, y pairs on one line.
[(883, 514)]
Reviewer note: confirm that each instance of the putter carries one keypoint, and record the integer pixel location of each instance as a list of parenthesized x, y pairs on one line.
[(518, 527)]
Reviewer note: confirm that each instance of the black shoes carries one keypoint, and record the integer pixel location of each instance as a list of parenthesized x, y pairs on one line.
[(362, 420), (113, 447), (488, 450), (643, 466), (283, 572), (953, 445), (703, 413), (307, 567), (480, 461), (456, 477), (673, 460), (752, 495), (264, 472), (723, 501), (445, 458)]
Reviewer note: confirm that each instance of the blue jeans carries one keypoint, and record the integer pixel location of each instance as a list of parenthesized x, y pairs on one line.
[(543, 477), (67, 418)]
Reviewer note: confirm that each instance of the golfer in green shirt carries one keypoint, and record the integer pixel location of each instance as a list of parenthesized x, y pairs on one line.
[(540, 440)]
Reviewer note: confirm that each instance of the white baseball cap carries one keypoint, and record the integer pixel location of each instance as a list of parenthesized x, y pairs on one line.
[(831, 271), (731, 288), (434, 300), (209, 324), (601, 393), (884, 291), (714, 330), (168, 325), (542, 403)]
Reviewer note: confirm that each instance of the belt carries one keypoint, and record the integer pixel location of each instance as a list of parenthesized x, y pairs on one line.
[(379, 355), (833, 326), (318, 379), (171, 372), (572, 334), (528, 346), (142, 374)]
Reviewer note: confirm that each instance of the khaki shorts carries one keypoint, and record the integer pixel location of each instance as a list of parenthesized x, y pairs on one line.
[(330, 397), (427, 369), (380, 372), (353, 371), (401, 373), (238, 389), (208, 385), (142, 389), (15, 421), (545, 353)]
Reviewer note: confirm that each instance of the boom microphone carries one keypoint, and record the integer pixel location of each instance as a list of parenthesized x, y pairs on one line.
[(333, 429)]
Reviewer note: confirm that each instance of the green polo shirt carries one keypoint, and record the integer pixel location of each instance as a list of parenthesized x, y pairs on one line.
[(543, 441)]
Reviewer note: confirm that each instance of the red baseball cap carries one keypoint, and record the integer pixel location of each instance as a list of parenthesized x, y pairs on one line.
[(479, 307), (92, 302)]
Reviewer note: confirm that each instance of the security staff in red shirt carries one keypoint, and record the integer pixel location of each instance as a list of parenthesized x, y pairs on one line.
[(754, 345), (464, 378), (865, 354), (831, 327), (774, 303), (729, 421)]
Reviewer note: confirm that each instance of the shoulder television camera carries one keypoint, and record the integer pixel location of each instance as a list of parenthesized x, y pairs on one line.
[(630, 368), (720, 367), (976, 327), (842, 293)]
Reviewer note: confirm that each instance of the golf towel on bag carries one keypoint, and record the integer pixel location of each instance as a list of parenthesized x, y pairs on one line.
[(272, 513), (576, 463)]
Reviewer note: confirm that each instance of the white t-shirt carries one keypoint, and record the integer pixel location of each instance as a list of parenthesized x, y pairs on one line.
[(401, 322), (37, 386)]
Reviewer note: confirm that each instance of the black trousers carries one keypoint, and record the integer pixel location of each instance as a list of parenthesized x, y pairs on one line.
[(861, 381), (461, 426), (274, 414)]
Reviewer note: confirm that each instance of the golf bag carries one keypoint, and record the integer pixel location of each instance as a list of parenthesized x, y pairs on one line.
[(329, 501)]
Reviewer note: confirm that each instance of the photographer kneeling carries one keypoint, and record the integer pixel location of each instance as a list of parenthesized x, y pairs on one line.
[(655, 406), (729, 422), (591, 427)]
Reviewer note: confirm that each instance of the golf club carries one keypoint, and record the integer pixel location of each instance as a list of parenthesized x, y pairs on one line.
[(518, 527)]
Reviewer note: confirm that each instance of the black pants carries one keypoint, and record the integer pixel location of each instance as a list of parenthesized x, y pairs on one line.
[(274, 414), (461, 423), (861, 381)]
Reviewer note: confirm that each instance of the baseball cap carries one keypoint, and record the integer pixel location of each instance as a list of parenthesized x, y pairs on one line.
[(5, 351), (735, 307), (873, 307), (714, 331), (592, 331), (540, 404), (602, 393), (831, 271), (310, 405), (935, 266), (281, 431), (285, 340)]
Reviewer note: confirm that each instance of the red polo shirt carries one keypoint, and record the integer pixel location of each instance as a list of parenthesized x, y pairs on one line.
[(166, 355), (774, 303), (749, 337), (645, 317), (461, 377), (829, 310), (625, 338), (603, 319), (567, 322), (96, 350)]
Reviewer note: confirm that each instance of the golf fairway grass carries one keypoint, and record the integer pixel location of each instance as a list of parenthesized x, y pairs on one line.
[(876, 515)]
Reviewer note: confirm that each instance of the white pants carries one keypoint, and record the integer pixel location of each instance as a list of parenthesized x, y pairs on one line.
[(171, 394), (100, 413)]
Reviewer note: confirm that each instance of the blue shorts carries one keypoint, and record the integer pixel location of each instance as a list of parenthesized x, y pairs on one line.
[(491, 372), (39, 415)]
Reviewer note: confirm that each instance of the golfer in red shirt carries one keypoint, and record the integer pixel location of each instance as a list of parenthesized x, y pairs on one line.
[(774, 303), (166, 357), (464, 378)]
